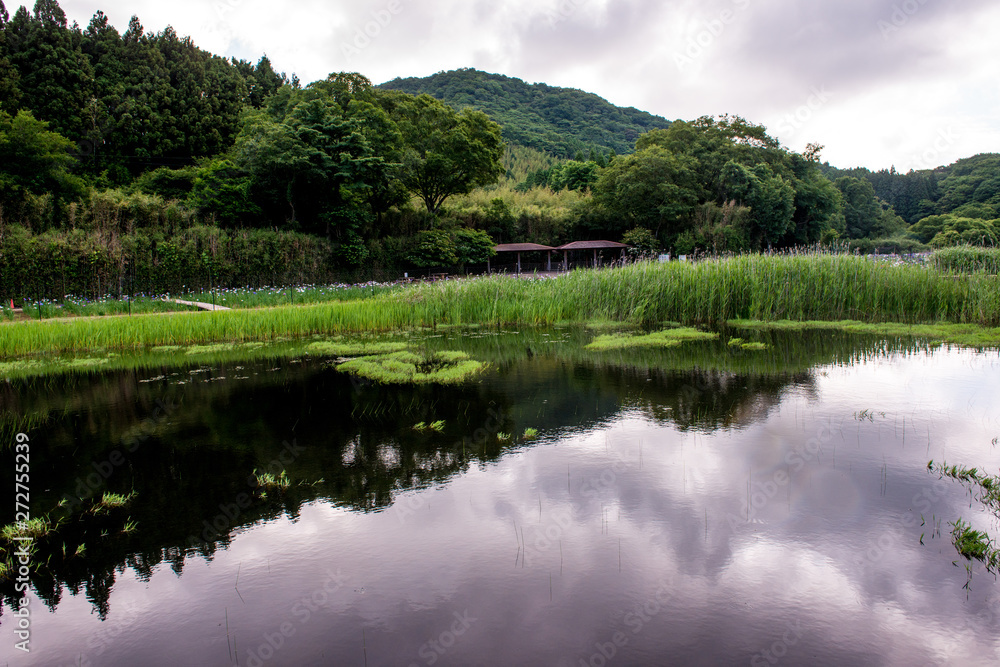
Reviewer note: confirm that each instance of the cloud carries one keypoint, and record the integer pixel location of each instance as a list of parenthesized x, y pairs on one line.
[(898, 72)]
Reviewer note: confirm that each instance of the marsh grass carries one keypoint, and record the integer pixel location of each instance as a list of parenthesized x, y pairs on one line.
[(35, 528), (664, 338), (748, 287), (970, 335), (268, 481), (437, 426), (975, 545), (114, 500), (529, 433), (443, 367), (967, 259), (354, 349)]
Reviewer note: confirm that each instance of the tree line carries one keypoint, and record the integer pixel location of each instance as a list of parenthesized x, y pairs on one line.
[(137, 134)]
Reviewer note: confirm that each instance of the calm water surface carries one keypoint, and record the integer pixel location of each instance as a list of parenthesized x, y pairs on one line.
[(700, 505)]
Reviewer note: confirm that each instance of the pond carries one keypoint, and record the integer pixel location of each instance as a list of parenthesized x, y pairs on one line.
[(697, 504)]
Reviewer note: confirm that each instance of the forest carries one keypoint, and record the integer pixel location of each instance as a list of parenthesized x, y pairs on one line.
[(137, 160)]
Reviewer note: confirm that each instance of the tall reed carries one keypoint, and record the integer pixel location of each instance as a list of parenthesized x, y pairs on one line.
[(760, 287)]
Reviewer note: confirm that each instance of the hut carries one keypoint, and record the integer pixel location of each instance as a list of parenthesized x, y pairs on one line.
[(589, 245), (524, 247)]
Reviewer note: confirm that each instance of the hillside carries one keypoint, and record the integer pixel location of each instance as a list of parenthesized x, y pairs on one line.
[(559, 121), (970, 182)]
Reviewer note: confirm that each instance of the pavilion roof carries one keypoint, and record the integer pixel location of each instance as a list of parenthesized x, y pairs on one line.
[(521, 247), (591, 245)]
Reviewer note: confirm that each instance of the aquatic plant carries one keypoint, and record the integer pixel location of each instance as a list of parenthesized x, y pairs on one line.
[(443, 367), (975, 544), (749, 287), (353, 349), (529, 433), (267, 480), (35, 528), (664, 338)]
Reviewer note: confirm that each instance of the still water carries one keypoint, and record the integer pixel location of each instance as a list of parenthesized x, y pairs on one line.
[(697, 505)]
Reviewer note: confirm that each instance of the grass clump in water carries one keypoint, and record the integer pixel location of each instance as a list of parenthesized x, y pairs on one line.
[(529, 433), (444, 367), (664, 338), (35, 528), (336, 349), (437, 426), (975, 544), (757, 346), (267, 480)]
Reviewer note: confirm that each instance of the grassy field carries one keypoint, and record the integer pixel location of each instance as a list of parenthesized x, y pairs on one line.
[(751, 287)]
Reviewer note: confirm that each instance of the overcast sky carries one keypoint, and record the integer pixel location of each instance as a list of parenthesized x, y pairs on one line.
[(879, 83)]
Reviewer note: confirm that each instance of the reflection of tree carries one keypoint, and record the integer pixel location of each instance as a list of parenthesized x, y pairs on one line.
[(350, 443)]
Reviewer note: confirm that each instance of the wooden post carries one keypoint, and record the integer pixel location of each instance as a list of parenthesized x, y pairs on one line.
[(519, 262)]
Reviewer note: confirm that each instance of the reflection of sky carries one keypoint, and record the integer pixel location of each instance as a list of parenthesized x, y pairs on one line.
[(825, 564)]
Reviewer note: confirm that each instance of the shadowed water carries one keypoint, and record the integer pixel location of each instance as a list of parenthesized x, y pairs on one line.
[(697, 505)]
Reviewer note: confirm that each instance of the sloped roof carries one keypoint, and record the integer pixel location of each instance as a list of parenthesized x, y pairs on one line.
[(591, 245), (521, 247)]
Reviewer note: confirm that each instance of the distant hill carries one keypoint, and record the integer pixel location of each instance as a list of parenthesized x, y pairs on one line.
[(970, 187), (559, 121)]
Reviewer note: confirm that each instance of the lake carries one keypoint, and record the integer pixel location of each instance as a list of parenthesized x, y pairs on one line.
[(701, 504)]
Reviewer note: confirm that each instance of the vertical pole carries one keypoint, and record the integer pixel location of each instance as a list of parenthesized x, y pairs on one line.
[(519, 262)]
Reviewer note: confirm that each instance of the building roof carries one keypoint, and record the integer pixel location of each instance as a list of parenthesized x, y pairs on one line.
[(591, 245), (521, 247)]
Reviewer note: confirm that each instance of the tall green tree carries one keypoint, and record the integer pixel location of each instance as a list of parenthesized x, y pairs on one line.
[(54, 76), (445, 152), (10, 93), (33, 160), (653, 188)]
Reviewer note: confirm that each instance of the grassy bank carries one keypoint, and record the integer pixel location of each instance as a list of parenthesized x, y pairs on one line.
[(752, 287)]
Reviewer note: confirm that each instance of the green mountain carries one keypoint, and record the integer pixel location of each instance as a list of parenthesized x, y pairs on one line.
[(559, 121)]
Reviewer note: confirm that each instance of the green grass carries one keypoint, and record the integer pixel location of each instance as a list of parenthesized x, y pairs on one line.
[(664, 338), (443, 367), (353, 349), (266, 480), (529, 433), (967, 259), (970, 335), (750, 287), (975, 545), (35, 528)]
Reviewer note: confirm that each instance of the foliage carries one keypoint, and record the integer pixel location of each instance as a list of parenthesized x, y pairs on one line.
[(967, 259), (446, 152), (557, 121), (433, 248)]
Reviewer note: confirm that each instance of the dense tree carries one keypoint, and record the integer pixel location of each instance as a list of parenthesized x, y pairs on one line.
[(445, 152), (35, 161), (53, 75), (652, 188), (321, 153), (558, 121)]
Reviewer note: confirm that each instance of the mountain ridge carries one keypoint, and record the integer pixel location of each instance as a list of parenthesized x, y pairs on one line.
[(559, 121)]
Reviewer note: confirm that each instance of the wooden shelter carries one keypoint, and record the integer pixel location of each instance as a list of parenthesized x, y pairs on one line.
[(523, 247), (589, 245)]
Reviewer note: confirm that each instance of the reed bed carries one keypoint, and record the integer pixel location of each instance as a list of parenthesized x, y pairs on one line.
[(747, 287), (967, 259)]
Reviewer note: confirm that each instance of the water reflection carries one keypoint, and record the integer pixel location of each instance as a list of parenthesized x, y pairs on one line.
[(696, 505)]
